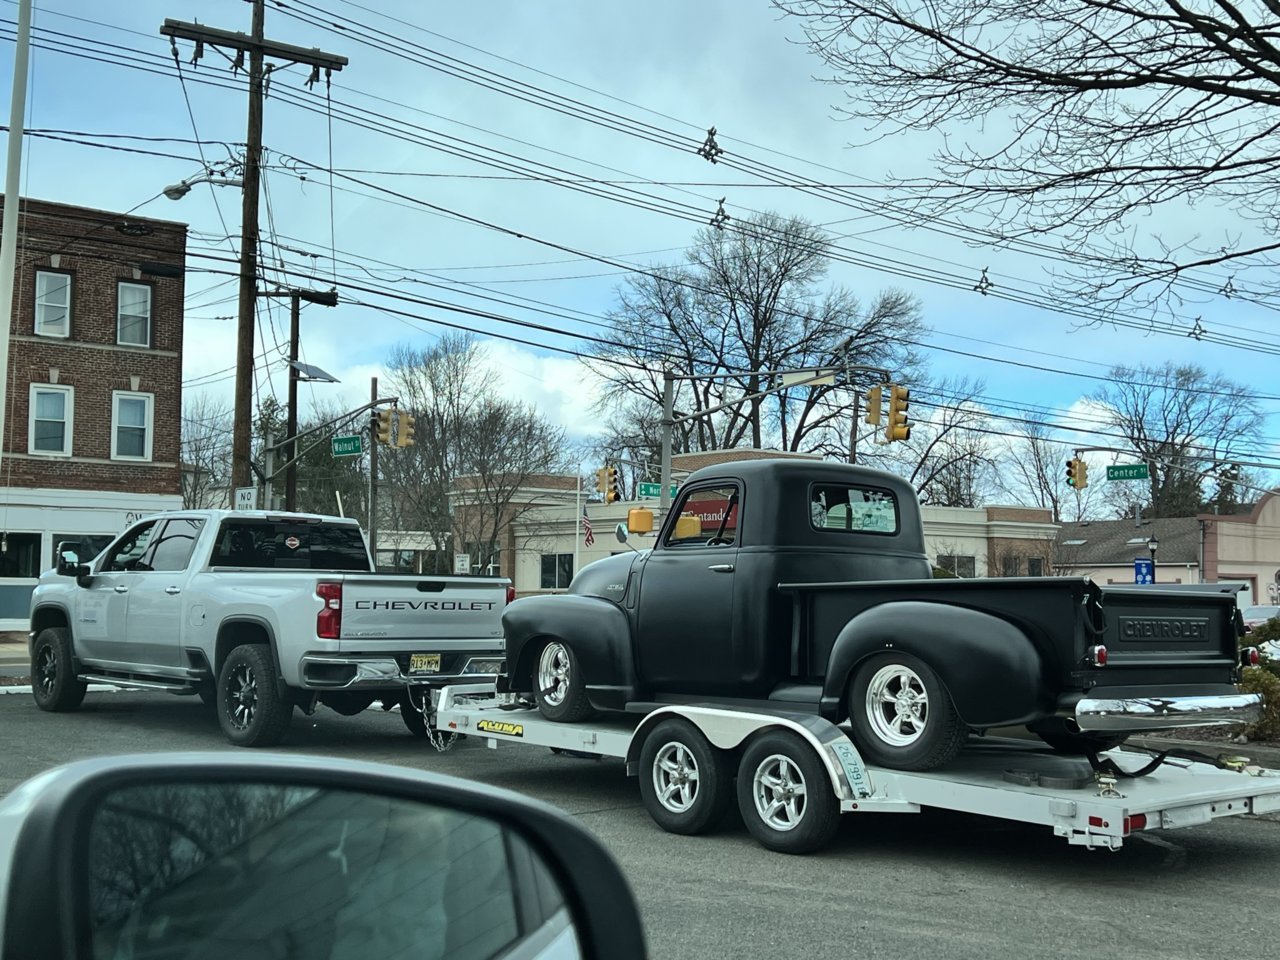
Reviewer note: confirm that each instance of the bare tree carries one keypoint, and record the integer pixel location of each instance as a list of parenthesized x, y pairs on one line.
[(206, 451), (1185, 423), (1033, 471), (472, 449), (751, 298), (1087, 112)]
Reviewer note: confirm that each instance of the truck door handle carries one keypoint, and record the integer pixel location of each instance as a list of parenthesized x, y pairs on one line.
[(171, 591), (721, 567), (121, 588)]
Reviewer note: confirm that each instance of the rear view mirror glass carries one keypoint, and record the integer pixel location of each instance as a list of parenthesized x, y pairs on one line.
[(259, 870), (68, 557)]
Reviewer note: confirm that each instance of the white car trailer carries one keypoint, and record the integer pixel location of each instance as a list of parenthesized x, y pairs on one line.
[(796, 773)]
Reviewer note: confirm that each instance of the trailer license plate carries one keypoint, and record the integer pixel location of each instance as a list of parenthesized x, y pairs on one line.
[(424, 663)]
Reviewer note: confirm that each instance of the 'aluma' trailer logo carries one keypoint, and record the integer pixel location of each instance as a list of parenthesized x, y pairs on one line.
[(501, 726)]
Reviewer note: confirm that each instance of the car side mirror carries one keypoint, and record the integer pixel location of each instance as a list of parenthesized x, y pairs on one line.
[(197, 856), (69, 564), (621, 532)]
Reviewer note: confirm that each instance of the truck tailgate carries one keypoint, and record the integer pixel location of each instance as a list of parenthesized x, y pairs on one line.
[(1184, 636), (384, 612)]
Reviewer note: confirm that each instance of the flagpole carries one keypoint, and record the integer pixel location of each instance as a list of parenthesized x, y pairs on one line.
[(577, 520)]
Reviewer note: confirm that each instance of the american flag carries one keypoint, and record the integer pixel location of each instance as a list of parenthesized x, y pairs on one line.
[(588, 537)]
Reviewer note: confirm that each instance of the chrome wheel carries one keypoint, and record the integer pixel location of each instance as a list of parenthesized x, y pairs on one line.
[(46, 670), (675, 777), (779, 792), (553, 673), (242, 696), (897, 705)]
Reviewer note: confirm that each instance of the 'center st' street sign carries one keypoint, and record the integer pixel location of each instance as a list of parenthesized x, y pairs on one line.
[(1128, 471)]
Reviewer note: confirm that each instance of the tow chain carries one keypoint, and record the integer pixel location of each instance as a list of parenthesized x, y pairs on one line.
[(438, 740)]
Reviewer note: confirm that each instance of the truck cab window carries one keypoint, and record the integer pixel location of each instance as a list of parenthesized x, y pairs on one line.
[(857, 509), (175, 543), (128, 553), (707, 516)]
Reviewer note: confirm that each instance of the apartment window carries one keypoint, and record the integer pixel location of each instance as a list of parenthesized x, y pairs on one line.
[(557, 570), (131, 426), (1010, 566), (960, 566), (53, 304), (49, 429), (133, 314), (1035, 566)]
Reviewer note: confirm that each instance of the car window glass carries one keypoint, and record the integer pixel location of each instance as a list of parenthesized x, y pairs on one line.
[(291, 545), (127, 554), (173, 547), (853, 508), (707, 515)]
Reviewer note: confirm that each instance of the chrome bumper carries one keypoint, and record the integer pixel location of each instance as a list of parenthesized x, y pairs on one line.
[(354, 673), (1137, 714)]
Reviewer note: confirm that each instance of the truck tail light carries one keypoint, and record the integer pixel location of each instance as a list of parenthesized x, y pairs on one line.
[(1098, 655), (1250, 657), (511, 592), (1135, 821), (329, 619)]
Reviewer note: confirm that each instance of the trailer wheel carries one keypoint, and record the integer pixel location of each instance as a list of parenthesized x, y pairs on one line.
[(785, 795), (684, 781), (1056, 735), (559, 687), (902, 715)]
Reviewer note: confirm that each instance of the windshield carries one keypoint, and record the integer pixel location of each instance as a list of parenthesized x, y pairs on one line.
[(1261, 613)]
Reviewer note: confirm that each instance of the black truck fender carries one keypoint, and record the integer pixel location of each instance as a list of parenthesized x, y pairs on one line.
[(596, 630), (992, 670)]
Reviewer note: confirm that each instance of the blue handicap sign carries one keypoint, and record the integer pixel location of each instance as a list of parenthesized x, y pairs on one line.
[(1144, 570)]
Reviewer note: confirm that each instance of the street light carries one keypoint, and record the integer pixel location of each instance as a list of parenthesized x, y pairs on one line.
[(1152, 544), (176, 191)]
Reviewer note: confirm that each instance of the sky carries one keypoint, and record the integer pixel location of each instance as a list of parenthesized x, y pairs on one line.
[(412, 210)]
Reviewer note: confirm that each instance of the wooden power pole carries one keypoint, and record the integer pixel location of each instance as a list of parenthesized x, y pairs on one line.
[(258, 48)]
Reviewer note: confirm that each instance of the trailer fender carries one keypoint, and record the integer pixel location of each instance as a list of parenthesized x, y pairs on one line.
[(992, 669), (596, 630), (730, 729)]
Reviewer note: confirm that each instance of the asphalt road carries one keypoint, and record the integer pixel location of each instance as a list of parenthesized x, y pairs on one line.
[(936, 885)]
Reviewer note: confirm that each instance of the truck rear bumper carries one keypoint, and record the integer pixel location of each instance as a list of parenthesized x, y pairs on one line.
[(1135, 714), (380, 673)]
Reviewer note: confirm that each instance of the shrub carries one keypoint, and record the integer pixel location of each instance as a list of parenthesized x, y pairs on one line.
[(1259, 680)]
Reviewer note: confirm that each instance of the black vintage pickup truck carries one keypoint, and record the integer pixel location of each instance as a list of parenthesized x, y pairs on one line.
[(804, 585)]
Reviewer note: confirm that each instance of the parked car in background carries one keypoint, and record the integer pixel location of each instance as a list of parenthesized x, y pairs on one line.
[(1257, 615)]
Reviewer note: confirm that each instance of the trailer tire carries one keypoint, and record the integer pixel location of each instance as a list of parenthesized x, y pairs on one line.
[(785, 795), (902, 715), (250, 711), (54, 684), (1073, 744), (559, 688), (686, 783)]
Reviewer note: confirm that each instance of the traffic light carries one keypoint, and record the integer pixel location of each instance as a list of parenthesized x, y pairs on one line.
[(898, 428), (1077, 473), (612, 490), (404, 428), (602, 480), (382, 426), (874, 407)]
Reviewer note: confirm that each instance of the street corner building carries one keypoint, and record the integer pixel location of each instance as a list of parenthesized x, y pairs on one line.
[(93, 385)]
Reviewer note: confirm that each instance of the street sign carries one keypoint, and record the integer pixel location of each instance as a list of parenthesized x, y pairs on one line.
[(246, 498), (1144, 570), (462, 563), (346, 446), (644, 490), (1128, 471)]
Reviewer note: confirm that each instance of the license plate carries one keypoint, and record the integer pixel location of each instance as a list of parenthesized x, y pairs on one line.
[(424, 663)]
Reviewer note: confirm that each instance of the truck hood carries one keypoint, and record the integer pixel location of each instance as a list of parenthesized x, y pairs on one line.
[(607, 578)]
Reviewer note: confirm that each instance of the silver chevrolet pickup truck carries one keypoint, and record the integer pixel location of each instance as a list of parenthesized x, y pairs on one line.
[(258, 613)]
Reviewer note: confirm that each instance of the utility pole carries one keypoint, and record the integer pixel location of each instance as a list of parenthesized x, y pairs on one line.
[(258, 49), (372, 525)]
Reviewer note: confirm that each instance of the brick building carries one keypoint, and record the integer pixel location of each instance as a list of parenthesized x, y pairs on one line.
[(93, 390)]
